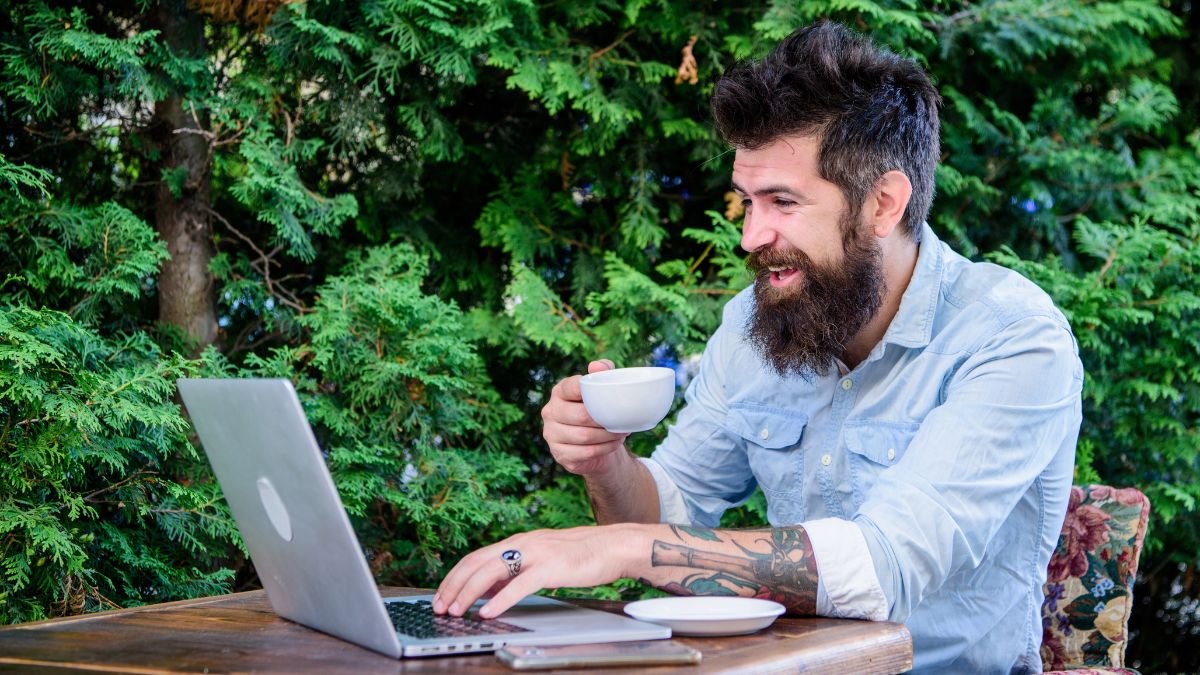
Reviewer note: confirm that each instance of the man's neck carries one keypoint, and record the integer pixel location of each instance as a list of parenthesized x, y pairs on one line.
[(898, 266)]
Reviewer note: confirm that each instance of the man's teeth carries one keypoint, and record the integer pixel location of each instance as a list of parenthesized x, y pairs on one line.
[(779, 269)]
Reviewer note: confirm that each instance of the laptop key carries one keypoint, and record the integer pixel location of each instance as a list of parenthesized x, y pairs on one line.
[(416, 619)]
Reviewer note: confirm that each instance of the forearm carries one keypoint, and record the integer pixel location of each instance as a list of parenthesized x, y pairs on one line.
[(777, 564), (625, 493)]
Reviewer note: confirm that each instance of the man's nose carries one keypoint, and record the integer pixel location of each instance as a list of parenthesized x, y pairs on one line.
[(756, 233)]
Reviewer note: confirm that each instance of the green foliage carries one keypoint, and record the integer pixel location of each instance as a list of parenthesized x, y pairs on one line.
[(17, 176), (97, 258), (84, 59), (428, 212), (403, 406), (273, 191), (102, 503)]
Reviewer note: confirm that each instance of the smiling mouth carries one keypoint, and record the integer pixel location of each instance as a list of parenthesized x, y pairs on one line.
[(782, 276)]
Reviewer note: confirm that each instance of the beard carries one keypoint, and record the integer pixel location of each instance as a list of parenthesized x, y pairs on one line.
[(802, 328)]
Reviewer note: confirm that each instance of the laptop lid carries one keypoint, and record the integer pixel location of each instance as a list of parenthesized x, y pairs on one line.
[(287, 508), (267, 461)]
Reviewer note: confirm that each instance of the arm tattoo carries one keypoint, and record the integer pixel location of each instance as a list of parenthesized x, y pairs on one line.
[(785, 571)]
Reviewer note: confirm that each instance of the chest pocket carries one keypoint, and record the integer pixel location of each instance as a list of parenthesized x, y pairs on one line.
[(873, 447), (772, 441)]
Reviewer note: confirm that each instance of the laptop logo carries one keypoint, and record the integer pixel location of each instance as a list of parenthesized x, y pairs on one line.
[(273, 505)]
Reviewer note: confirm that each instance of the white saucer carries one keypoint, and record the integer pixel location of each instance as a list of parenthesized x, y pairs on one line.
[(707, 615)]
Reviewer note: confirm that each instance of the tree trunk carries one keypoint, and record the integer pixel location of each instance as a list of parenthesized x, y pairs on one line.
[(185, 285)]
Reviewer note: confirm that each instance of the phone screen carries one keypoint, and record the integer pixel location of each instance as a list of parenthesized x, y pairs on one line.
[(654, 652)]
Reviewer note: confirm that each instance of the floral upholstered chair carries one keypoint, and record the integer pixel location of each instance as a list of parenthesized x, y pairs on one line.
[(1089, 585)]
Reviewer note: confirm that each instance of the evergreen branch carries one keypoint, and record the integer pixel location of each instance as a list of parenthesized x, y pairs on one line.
[(700, 259), (440, 497), (567, 317), (554, 235), (975, 14), (601, 52), (142, 471), (249, 328), (71, 136), (1170, 256), (10, 540), (1069, 217), (265, 261), (250, 346), (214, 135), (161, 370), (94, 592), (83, 301), (1138, 182), (385, 520), (287, 139), (1108, 263), (949, 21), (193, 512), (209, 135)]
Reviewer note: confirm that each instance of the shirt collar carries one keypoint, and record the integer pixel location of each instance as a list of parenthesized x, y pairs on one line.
[(912, 326)]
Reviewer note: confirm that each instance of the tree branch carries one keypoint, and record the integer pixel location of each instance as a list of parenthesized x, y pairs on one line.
[(601, 52)]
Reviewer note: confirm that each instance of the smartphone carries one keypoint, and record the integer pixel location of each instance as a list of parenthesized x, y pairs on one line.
[(649, 653)]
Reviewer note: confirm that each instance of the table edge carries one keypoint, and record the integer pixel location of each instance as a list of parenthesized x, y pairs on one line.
[(159, 606)]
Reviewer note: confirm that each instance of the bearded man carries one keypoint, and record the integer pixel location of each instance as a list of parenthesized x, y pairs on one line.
[(910, 415)]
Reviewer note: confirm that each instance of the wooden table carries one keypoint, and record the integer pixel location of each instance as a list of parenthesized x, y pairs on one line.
[(240, 633)]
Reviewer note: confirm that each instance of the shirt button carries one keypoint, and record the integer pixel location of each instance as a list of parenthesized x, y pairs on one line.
[(891, 453), (764, 433), (847, 384), (826, 460)]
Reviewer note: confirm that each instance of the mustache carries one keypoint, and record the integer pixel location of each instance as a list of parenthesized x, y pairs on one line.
[(762, 260)]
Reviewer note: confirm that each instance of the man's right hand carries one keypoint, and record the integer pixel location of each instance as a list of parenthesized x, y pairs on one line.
[(576, 440)]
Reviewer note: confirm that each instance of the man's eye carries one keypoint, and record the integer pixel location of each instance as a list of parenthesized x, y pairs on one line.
[(745, 203), (784, 203)]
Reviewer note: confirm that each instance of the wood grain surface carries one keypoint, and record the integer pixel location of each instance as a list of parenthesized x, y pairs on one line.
[(240, 634)]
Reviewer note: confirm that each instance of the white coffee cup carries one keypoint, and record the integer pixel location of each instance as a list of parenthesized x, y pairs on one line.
[(626, 400)]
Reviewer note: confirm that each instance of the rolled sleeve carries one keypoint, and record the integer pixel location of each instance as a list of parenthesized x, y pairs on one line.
[(671, 507), (849, 585)]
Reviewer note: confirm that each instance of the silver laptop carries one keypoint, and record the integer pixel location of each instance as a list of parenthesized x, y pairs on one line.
[(264, 454)]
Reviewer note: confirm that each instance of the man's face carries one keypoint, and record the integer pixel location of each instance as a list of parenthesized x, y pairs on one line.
[(818, 269)]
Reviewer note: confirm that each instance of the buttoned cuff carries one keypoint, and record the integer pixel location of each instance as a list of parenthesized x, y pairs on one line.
[(847, 574), (671, 507)]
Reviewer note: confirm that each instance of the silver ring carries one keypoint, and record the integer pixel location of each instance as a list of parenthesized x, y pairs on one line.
[(512, 558)]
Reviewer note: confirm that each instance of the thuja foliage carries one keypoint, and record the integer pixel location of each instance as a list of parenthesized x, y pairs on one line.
[(103, 501), (426, 213), (403, 407)]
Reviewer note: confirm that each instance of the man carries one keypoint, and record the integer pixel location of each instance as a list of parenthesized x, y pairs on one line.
[(911, 416)]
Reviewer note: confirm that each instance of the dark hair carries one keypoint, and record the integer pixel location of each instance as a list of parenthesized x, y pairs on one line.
[(870, 110)]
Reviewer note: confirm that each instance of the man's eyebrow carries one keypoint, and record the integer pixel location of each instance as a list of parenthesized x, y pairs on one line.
[(772, 190)]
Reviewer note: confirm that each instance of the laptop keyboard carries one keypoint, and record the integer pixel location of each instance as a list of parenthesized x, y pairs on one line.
[(416, 619)]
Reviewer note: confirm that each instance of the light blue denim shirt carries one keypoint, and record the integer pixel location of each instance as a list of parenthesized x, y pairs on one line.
[(951, 447)]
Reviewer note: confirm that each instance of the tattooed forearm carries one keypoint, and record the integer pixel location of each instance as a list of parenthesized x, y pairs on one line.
[(775, 564)]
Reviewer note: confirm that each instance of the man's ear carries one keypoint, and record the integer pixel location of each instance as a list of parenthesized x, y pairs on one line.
[(887, 202)]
